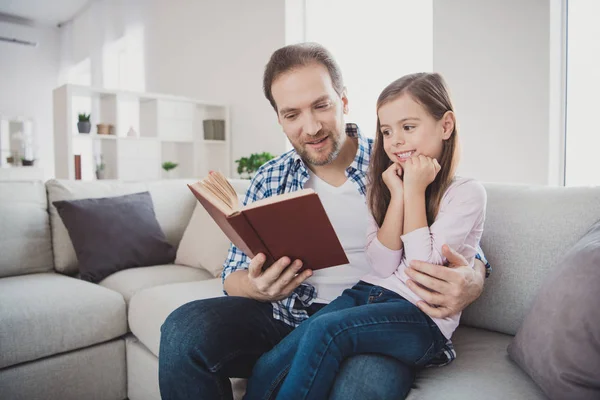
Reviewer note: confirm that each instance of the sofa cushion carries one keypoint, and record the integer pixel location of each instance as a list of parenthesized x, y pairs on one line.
[(25, 226), (173, 206), (114, 233), (149, 308), (558, 345), (203, 245), (527, 229), (482, 369), (46, 314), (130, 281)]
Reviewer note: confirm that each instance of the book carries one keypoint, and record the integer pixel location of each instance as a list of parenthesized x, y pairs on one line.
[(292, 224)]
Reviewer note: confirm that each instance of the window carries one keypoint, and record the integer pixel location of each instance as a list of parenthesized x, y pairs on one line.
[(583, 88), (374, 42)]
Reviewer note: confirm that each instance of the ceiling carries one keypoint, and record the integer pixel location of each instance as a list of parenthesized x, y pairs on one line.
[(44, 12)]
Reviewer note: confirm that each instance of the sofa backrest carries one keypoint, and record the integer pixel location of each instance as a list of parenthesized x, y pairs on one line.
[(173, 205), (527, 230), (25, 242)]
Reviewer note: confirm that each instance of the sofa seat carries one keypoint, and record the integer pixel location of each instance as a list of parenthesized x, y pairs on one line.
[(149, 308), (130, 281), (482, 369), (48, 313)]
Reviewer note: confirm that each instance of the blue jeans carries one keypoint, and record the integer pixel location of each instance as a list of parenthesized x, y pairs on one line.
[(364, 319), (205, 342)]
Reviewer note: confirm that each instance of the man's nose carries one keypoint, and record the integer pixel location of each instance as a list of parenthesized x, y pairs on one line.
[(311, 126)]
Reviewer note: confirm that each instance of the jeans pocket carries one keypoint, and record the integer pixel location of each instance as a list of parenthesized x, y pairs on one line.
[(431, 351)]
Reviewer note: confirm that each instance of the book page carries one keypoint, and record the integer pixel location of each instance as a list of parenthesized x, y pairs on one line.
[(211, 197), (218, 185)]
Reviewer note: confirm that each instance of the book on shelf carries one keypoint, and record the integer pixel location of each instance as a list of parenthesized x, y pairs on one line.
[(292, 224)]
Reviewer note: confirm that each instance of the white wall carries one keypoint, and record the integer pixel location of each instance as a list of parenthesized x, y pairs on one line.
[(27, 77), (211, 50), (495, 56)]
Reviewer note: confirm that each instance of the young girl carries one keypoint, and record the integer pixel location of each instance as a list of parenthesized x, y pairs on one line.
[(418, 205)]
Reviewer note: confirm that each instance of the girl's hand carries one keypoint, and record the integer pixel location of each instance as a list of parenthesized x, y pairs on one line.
[(392, 179), (419, 172)]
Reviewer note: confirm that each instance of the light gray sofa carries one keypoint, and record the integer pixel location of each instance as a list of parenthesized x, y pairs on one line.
[(63, 338)]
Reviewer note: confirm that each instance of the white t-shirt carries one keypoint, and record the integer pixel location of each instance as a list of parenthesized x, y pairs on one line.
[(346, 208)]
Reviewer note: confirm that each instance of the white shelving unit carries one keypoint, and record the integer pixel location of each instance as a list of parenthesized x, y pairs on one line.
[(169, 128)]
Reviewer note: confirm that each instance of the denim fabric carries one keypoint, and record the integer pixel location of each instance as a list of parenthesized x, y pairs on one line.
[(365, 319), (205, 342)]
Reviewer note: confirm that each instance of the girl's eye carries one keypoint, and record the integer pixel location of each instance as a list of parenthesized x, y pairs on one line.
[(385, 133), (408, 128)]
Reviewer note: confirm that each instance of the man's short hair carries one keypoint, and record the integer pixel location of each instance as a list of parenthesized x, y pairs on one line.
[(299, 55)]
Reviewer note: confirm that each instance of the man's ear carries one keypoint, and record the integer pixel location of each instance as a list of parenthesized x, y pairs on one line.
[(448, 124), (344, 96)]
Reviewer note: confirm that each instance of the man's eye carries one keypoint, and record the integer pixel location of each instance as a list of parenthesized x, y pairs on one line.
[(291, 116), (322, 106)]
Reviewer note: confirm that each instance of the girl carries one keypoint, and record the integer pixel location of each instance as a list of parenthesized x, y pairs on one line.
[(418, 205)]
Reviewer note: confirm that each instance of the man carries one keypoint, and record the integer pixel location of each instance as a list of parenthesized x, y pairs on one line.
[(205, 342)]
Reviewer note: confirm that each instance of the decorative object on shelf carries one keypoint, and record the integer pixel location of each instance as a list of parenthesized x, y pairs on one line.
[(168, 166), (77, 161), (214, 129), (100, 168), (247, 166), (105, 129), (131, 132), (27, 163), (84, 125)]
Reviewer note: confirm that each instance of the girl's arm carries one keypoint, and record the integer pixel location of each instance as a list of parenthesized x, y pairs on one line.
[(384, 246), (459, 223)]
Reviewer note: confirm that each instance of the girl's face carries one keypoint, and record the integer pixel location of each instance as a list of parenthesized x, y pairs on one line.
[(408, 130)]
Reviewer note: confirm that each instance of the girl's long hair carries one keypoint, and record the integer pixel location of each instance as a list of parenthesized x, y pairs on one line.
[(429, 90)]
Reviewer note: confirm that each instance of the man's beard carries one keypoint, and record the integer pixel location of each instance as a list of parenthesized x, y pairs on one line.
[(333, 154)]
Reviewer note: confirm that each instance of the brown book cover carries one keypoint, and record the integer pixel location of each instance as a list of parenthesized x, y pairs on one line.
[(293, 224)]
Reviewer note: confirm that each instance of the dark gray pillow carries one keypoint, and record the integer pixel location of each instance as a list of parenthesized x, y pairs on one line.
[(114, 233), (558, 344)]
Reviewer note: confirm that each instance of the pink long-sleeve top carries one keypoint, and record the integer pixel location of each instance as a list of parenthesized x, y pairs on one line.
[(459, 224)]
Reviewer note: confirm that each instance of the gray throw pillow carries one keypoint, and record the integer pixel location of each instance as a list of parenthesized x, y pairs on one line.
[(558, 344), (114, 233)]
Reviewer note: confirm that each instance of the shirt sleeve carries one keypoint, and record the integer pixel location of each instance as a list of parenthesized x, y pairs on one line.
[(459, 224), (481, 257), (236, 259), (383, 261)]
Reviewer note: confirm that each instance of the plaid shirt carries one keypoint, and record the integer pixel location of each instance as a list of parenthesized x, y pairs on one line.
[(288, 173)]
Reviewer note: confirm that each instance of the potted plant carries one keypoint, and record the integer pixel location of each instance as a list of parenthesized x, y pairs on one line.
[(84, 125), (247, 166), (168, 166), (26, 163), (100, 169)]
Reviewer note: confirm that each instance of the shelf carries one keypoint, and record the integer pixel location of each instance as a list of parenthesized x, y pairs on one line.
[(168, 128)]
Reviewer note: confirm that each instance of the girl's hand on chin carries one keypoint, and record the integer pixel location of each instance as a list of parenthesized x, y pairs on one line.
[(392, 179), (420, 171)]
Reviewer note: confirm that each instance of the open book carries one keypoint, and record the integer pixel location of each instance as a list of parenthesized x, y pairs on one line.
[(293, 224)]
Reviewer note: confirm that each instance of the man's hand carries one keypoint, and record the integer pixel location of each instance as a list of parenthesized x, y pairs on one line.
[(445, 290), (275, 283)]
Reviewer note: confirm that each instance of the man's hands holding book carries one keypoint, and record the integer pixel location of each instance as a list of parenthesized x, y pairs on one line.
[(274, 283)]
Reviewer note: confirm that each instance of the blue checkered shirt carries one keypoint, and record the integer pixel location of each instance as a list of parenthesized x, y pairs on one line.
[(288, 173)]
